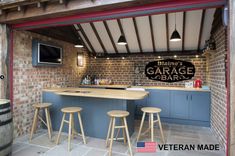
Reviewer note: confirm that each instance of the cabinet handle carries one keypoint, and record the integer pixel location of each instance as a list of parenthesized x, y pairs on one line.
[(187, 97), (191, 97)]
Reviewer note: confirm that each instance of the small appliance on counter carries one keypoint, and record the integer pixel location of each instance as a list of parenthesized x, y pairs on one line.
[(198, 83), (189, 84)]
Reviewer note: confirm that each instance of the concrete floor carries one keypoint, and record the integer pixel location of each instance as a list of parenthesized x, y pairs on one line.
[(178, 134)]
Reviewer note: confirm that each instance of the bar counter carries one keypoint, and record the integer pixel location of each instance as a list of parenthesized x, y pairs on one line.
[(95, 104)]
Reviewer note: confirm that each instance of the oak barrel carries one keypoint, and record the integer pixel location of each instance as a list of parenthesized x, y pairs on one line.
[(6, 128)]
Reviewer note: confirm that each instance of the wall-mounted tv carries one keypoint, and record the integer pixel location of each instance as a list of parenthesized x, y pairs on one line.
[(46, 54)]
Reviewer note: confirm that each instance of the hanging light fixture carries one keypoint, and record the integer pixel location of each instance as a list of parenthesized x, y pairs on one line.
[(122, 40), (79, 44), (175, 36)]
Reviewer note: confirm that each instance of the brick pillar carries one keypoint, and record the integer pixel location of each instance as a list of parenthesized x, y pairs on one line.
[(4, 62), (232, 75)]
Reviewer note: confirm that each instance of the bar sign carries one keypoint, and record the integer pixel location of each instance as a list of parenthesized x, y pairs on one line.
[(146, 147)]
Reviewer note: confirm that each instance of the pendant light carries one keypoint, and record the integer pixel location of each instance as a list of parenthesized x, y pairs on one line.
[(175, 36), (122, 40), (79, 44)]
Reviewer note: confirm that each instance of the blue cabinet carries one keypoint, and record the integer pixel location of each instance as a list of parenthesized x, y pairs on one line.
[(183, 107), (179, 105), (160, 99), (199, 106)]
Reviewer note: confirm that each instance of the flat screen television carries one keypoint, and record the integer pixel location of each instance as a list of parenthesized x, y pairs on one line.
[(46, 54)]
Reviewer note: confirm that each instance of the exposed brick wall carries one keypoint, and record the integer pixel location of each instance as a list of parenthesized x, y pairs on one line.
[(218, 88), (28, 81), (123, 71)]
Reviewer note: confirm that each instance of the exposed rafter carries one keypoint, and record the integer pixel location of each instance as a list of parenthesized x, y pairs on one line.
[(98, 37), (183, 33), (167, 33), (122, 32), (152, 34), (110, 36), (200, 29), (137, 34), (86, 38)]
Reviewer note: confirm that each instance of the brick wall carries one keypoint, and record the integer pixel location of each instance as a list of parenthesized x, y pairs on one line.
[(28, 81), (123, 71), (217, 81)]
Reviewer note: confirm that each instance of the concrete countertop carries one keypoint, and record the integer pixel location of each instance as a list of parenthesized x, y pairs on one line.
[(107, 86), (99, 93), (172, 88), (4, 101)]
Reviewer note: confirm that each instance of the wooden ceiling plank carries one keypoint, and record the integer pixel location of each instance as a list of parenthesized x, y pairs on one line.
[(122, 32), (110, 36), (137, 34), (98, 37), (167, 33), (152, 33), (200, 29), (86, 38), (183, 33)]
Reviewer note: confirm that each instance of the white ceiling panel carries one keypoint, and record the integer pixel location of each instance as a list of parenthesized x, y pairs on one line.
[(159, 31), (175, 46), (209, 14), (85, 41), (115, 31), (192, 28), (145, 33), (92, 38), (104, 37), (130, 34)]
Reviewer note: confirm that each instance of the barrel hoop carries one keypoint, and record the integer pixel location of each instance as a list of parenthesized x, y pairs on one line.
[(5, 105), (5, 146), (5, 112), (5, 122)]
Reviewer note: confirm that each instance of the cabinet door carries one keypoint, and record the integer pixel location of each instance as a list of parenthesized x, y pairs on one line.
[(200, 106), (180, 104), (139, 104), (160, 99)]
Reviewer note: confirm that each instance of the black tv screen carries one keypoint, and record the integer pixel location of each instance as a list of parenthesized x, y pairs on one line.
[(49, 54)]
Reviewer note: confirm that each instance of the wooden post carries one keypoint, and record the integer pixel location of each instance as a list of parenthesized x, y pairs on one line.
[(4, 62)]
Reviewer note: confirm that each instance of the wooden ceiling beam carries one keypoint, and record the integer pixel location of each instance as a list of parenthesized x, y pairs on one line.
[(200, 29), (122, 32), (183, 33), (152, 33), (86, 38), (98, 37), (137, 34), (167, 33), (110, 36)]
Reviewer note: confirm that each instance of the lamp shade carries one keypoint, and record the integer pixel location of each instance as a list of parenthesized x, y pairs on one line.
[(79, 44), (122, 40), (175, 36)]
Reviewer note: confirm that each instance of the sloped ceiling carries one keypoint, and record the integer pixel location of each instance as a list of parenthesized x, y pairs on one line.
[(148, 33)]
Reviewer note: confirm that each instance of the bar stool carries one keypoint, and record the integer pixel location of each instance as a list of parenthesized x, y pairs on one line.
[(113, 115), (71, 111), (37, 108), (151, 111)]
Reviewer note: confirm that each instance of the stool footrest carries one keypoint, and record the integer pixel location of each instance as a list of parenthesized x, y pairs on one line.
[(118, 139), (66, 121), (119, 127), (40, 118)]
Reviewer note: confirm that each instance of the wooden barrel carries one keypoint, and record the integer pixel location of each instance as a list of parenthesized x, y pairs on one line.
[(6, 128)]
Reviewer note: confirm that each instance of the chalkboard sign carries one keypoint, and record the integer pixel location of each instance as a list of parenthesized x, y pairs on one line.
[(170, 70)]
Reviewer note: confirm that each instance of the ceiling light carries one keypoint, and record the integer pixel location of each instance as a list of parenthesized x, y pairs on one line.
[(122, 40), (196, 56), (123, 58), (175, 36), (95, 57), (79, 44), (159, 57), (107, 58), (175, 56)]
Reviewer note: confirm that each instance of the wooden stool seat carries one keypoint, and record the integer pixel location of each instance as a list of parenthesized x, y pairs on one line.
[(151, 110), (71, 109), (42, 105), (47, 123), (110, 136), (118, 113)]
